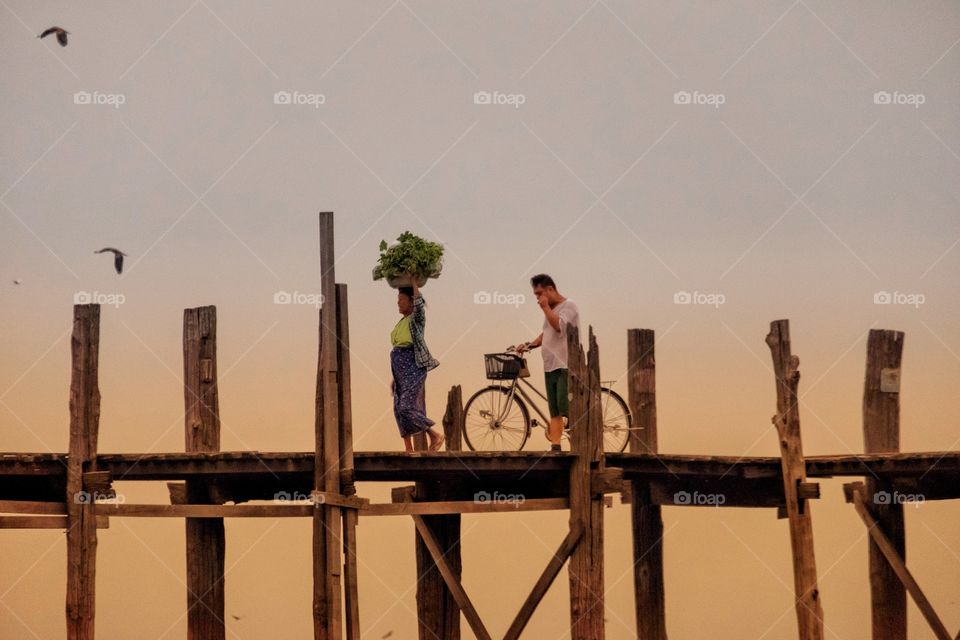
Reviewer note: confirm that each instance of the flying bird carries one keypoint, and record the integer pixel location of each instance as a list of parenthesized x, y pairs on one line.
[(61, 35), (117, 257), (17, 281)]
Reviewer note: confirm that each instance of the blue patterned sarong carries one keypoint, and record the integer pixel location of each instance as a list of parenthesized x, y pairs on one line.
[(409, 380)]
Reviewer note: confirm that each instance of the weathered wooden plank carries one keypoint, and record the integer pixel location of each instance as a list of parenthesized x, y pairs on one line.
[(585, 568), (351, 601), (881, 434), (205, 537), (327, 545), (893, 557), (438, 613), (544, 581), (84, 428), (305, 509), (646, 518), (453, 419), (452, 579), (787, 421), (28, 506), (44, 522)]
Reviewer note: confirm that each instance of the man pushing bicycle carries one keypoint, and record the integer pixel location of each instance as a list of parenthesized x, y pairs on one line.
[(558, 313)]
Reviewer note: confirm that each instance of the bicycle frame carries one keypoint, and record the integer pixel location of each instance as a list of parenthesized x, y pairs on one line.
[(514, 388)]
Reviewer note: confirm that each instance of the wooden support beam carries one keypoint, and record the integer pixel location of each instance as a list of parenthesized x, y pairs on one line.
[(453, 419), (543, 583), (44, 522), (81, 522), (351, 603), (586, 562), (895, 560), (205, 537), (452, 579), (438, 610), (306, 509), (787, 421), (881, 434), (327, 543), (29, 506), (646, 518)]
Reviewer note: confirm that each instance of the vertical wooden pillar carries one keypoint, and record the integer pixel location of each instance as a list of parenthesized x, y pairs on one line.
[(205, 539), (787, 420), (881, 434), (646, 517), (81, 516), (437, 610), (586, 509), (347, 473), (453, 419), (327, 567)]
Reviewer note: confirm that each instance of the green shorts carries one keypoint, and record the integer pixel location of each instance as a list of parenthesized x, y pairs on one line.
[(557, 392)]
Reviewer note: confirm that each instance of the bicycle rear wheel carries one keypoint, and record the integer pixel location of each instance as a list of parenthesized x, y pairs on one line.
[(495, 421), (616, 421)]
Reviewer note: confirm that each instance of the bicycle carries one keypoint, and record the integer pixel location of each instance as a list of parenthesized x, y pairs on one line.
[(496, 418)]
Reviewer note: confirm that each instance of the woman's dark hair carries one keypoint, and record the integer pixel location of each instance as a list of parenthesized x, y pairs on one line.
[(407, 291), (542, 280)]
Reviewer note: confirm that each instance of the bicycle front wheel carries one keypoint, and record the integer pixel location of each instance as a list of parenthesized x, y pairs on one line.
[(616, 421), (495, 420)]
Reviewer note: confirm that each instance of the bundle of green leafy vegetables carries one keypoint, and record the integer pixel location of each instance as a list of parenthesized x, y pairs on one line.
[(411, 255)]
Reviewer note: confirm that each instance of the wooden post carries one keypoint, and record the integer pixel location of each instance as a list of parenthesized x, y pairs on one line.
[(787, 420), (327, 596), (453, 419), (585, 567), (881, 434), (205, 539), (347, 473), (81, 517), (646, 517), (438, 612)]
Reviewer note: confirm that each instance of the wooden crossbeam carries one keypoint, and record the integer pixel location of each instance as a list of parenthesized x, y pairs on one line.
[(463, 601), (883, 542), (288, 510), (546, 579), (44, 522)]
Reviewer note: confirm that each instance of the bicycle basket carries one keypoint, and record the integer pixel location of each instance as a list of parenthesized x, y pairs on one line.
[(503, 366)]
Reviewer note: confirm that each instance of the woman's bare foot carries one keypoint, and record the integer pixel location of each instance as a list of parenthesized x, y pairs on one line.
[(436, 440)]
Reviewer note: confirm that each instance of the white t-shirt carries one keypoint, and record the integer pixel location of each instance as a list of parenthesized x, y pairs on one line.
[(555, 342)]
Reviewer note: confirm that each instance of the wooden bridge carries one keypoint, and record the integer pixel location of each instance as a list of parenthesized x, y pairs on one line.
[(74, 490)]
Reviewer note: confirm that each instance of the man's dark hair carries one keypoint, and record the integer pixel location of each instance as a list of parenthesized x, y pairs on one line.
[(407, 291), (542, 280)]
